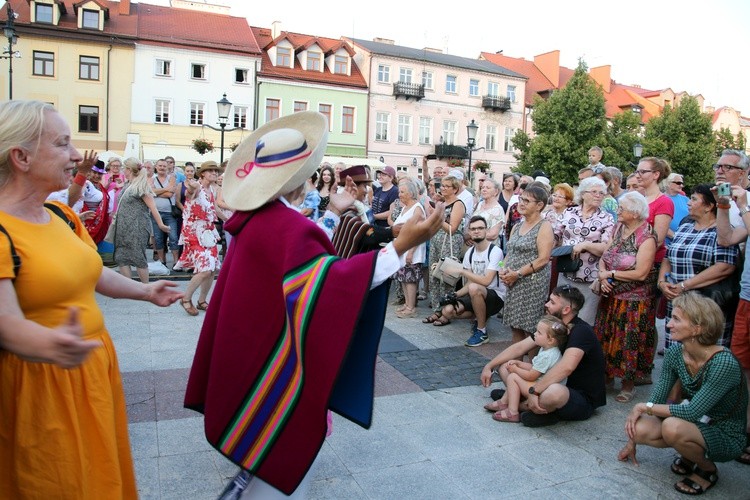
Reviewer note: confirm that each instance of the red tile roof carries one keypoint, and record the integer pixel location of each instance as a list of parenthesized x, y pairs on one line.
[(302, 42), (536, 82)]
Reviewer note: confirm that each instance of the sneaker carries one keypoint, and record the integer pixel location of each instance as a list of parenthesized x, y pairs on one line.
[(531, 419), (477, 339), (496, 394)]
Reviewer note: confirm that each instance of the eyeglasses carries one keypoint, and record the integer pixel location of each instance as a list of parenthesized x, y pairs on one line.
[(678, 183), (725, 167), (478, 228), (642, 171), (559, 196), (524, 201), (595, 193)]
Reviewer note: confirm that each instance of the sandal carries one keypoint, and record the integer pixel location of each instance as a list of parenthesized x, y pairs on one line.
[(506, 416), (695, 488), (625, 396), (744, 457), (441, 322), (495, 406), (189, 308), (682, 466), (202, 305), (431, 318), (406, 312)]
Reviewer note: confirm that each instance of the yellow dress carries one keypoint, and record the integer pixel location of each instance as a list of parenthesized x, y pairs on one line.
[(63, 433)]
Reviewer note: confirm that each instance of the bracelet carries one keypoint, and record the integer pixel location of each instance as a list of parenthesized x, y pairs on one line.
[(80, 179), (531, 264), (518, 274), (682, 285), (723, 206)]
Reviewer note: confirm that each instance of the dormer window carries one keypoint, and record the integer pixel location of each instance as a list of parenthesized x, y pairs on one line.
[(314, 61), (43, 13), (90, 19), (341, 65), (283, 56)]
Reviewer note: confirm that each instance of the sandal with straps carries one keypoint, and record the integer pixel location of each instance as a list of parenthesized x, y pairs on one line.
[(431, 318), (712, 478), (681, 466), (202, 305), (189, 308)]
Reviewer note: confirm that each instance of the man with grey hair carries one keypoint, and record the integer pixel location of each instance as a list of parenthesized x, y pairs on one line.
[(616, 175), (733, 167)]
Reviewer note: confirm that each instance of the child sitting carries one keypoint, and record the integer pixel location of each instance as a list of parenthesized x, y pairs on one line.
[(551, 335)]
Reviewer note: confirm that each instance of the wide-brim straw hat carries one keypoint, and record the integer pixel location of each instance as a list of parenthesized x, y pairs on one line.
[(208, 165), (275, 159)]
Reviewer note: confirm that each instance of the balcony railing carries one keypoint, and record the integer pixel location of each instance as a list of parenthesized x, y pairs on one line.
[(496, 103), (408, 90), (451, 151)]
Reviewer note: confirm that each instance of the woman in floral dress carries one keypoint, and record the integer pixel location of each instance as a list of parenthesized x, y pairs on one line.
[(625, 322), (199, 237)]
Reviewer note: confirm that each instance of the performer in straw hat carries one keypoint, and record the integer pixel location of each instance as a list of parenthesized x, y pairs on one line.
[(292, 330)]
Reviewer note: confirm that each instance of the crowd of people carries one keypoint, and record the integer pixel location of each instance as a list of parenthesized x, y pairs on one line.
[(578, 271)]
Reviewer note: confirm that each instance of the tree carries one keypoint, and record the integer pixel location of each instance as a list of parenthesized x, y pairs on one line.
[(725, 140), (683, 135), (619, 139), (565, 126)]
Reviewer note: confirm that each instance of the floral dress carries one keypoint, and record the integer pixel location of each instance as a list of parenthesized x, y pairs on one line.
[(625, 323), (443, 245), (524, 304), (199, 236)]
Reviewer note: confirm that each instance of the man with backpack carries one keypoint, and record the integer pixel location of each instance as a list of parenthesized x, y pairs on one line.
[(482, 294)]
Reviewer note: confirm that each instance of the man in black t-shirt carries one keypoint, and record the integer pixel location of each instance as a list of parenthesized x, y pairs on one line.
[(383, 196), (582, 364)]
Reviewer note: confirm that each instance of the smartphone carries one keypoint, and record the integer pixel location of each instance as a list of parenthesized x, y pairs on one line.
[(438, 186), (431, 157), (724, 189)]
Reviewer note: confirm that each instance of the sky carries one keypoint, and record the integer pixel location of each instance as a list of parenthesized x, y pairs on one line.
[(689, 45)]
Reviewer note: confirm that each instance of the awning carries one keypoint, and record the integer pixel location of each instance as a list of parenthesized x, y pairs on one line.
[(350, 161), (181, 154)]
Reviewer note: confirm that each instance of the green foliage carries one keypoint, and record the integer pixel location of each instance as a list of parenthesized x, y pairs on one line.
[(683, 135), (565, 126), (619, 139), (725, 140)]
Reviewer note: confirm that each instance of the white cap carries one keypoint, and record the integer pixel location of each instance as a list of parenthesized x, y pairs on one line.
[(454, 172), (542, 179)]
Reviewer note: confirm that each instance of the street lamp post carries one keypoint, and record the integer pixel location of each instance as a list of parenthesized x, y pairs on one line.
[(471, 140), (9, 30), (637, 151), (224, 107)]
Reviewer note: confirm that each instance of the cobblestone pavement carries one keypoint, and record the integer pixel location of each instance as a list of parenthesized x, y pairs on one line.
[(430, 437)]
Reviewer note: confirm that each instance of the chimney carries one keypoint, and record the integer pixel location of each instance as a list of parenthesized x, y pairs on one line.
[(124, 8), (602, 76), (275, 29), (549, 65), (383, 40)]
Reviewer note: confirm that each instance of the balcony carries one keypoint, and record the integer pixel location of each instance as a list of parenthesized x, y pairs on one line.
[(408, 90), (495, 103), (451, 151)]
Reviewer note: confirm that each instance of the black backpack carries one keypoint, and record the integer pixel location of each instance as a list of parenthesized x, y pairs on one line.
[(17, 258)]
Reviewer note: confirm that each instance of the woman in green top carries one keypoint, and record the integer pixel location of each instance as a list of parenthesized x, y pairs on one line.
[(711, 426)]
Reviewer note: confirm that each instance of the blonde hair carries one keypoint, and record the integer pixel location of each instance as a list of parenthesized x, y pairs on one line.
[(703, 313), (557, 329), (454, 182), (139, 180), (21, 125)]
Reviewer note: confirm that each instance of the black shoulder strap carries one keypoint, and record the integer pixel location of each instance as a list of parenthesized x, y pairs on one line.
[(59, 212), (16, 258)]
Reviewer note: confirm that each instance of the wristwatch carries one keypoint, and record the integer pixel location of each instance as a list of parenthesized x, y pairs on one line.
[(649, 406), (533, 391), (745, 210)]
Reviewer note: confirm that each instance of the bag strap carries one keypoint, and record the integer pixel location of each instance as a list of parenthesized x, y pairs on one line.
[(59, 212)]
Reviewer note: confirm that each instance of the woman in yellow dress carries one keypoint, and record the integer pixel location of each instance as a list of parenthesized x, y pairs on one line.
[(63, 426)]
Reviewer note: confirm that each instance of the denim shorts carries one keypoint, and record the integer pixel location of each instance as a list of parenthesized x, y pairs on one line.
[(174, 231)]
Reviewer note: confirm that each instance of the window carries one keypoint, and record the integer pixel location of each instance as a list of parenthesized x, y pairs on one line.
[(382, 126), (405, 75), (490, 139), (511, 93), (313, 61), (163, 67), (509, 133), (473, 87), (425, 130), (43, 13), (347, 120), (198, 71), (327, 110), (240, 75), (273, 109), (44, 63), (90, 19), (404, 128), (162, 111), (196, 113), (450, 84), (384, 74), (88, 68), (427, 80), (240, 116), (449, 132), (341, 65), (283, 56), (88, 118), (300, 106), (493, 89)]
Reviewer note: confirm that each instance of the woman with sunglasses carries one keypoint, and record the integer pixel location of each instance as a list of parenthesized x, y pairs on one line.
[(527, 270), (673, 188)]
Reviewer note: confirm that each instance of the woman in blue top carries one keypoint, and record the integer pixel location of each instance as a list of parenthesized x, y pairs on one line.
[(673, 188)]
